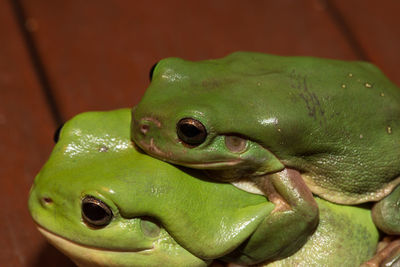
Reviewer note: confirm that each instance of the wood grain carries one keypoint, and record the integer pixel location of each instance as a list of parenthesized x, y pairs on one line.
[(26, 129), (375, 26), (98, 53)]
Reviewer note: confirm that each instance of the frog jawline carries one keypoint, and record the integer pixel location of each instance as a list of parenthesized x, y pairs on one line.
[(65, 244), (210, 165)]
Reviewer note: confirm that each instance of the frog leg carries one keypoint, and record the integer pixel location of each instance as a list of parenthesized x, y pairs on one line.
[(287, 228), (386, 216)]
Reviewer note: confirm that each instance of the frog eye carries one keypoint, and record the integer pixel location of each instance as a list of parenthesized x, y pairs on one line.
[(56, 135), (190, 131), (235, 144), (152, 71), (95, 212)]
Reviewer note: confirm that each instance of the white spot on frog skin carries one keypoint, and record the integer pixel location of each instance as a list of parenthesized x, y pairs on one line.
[(258, 84), (107, 189), (111, 191), (90, 143), (103, 149), (344, 86), (382, 94), (368, 85), (77, 132), (172, 76), (389, 129), (269, 121), (350, 74), (361, 136)]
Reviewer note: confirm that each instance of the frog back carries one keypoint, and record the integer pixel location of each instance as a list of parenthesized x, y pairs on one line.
[(336, 122)]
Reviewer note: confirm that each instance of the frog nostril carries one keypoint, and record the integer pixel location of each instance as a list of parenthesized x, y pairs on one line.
[(47, 200), (144, 128)]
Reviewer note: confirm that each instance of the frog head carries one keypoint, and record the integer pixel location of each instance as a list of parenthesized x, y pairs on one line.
[(97, 207), (250, 114), (189, 116)]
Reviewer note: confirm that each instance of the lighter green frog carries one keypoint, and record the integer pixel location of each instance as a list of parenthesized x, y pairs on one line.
[(103, 203), (252, 117)]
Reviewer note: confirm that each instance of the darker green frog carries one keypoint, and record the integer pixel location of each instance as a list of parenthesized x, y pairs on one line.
[(285, 124)]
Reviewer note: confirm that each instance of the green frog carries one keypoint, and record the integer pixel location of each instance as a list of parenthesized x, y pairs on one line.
[(104, 203), (249, 118)]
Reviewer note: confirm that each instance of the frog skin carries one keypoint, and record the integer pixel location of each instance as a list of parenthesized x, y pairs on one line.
[(151, 223), (151, 213), (339, 226), (251, 116)]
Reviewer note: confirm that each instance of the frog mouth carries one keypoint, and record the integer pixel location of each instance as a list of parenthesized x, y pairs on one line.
[(210, 165), (153, 150), (71, 248)]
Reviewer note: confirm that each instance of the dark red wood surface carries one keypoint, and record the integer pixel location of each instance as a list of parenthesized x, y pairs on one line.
[(59, 58), (26, 127), (375, 26)]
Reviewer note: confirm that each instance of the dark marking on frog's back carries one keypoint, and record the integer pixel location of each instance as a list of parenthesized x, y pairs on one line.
[(216, 83), (311, 100)]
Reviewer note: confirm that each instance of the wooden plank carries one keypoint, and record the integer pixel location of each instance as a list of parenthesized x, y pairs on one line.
[(376, 28), (26, 129), (98, 52)]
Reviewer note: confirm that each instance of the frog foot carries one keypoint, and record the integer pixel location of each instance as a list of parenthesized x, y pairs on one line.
[(388, 253), (287, 228)]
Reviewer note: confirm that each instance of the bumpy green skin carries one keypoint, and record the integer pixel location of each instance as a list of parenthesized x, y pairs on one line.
[(335, 122), (199, 220)]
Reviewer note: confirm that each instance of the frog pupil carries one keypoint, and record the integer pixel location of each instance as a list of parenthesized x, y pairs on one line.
[(191, 132), (95, 212)]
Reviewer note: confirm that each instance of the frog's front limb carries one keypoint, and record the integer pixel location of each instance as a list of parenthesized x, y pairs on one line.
[(288, 227)]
